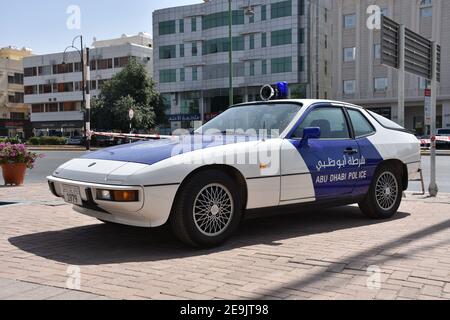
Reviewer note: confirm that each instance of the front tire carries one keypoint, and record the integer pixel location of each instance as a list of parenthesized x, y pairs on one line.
[(385, 194), (208, 210)]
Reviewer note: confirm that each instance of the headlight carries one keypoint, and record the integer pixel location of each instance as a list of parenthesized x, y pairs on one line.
[(118, 195)]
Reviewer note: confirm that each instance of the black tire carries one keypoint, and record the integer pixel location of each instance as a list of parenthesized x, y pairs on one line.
[(192, 227), (382, 202)]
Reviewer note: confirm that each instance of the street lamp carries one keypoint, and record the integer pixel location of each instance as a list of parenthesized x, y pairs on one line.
[(85, 76)]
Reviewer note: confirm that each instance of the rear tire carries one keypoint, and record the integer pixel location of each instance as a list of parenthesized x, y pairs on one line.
[(207, 210), (385, 194)]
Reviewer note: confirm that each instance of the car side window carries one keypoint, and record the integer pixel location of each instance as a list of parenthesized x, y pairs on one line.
[(331, 121), (361, 125)]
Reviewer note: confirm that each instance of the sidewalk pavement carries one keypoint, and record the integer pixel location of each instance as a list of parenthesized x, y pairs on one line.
[(322, 254)]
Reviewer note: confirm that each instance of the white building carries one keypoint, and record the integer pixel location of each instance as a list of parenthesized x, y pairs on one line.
[(278, 42), (359, 77), (53, 81)]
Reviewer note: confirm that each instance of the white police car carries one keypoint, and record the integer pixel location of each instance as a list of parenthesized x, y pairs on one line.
[(277, 153)]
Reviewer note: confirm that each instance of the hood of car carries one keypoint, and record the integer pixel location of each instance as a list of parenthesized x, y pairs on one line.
[(151, 152)]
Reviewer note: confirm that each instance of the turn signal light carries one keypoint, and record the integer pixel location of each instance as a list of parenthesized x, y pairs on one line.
[(118, 195)]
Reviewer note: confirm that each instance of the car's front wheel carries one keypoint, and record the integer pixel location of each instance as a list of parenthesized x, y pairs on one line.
[(385, 194), (208, 210)]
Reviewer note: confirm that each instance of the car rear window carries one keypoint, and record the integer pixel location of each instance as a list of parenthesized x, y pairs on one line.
[(386, 122), (444, 132)]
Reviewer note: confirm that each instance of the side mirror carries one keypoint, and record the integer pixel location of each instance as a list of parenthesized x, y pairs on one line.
[(310, 133)]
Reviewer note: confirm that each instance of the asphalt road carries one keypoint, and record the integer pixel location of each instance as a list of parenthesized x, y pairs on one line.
[(53, 159)]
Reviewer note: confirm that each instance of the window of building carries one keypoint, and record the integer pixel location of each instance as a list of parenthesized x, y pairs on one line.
[(17, 78), (77, 67), (222, 45), (301, 7), (281, 37), (301, 63), (349, 86), (264, 66), (252, 68), (349, 21), (252, 41), (63, 68), (31, 90), (93, 85), (167, 52), (30, 72), (194, 50), (377, 51), (281, 65), (182, 74), (52, 107), (181, 50), (263, 40), (326, 41), (325, 67), (349, 54), (17, 116), (63, 87), (281, 9), (168, 75), (251, 18), (104, 64), (121, 62), (361, 126), (301, 35), (263, 12), (37, 108), (331, 121), (93, 64), (181, 25), (220, 19), (167, 27), (194, 73), (69, 106), (426, 12), (16, 97), (193, 24), (45, 88), (423, 83), (380, 84)]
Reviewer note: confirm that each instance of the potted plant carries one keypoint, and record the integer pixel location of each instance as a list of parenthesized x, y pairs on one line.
[(15, 159)]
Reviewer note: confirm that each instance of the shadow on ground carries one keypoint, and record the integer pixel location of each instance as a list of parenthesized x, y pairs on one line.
[(104, 244)]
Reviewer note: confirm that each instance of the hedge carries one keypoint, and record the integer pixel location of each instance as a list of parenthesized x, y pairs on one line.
[(47, 141)]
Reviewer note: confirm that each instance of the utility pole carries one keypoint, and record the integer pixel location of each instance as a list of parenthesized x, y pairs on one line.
[(87, 90), (401, 79), (433, 188), (230, 53)]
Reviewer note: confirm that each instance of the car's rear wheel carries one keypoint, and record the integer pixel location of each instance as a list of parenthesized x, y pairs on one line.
[(208, 210), (385, 194)]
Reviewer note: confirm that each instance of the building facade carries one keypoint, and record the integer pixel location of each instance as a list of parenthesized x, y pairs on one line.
[(273, 41), (14, 113), (53, 87), (359, 76)]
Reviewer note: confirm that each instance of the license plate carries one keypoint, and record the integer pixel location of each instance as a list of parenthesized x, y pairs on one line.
[(72, 195)]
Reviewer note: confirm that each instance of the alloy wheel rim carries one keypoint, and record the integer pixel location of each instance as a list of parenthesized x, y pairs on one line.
[(213, 209), (386, 191)]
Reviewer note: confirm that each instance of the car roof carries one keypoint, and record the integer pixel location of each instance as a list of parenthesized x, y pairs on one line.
[(304, 102)]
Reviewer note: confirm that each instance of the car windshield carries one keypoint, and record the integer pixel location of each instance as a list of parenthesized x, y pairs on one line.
[(252, 119), (444, 132)]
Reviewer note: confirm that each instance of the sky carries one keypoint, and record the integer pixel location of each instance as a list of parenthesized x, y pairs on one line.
[(42, 25)]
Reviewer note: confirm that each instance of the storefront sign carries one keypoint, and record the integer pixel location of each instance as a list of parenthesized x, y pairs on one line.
[(57, 124), (184, 117)]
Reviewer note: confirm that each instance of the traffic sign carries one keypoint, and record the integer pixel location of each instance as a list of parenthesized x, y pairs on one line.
[(131, 114)]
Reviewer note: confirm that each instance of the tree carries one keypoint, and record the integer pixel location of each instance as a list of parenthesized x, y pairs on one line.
[(131, 88)]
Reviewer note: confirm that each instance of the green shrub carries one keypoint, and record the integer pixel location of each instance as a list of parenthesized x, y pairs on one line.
[(47, 141), (10, 140)]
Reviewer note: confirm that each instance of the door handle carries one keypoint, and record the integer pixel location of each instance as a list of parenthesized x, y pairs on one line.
[(350, 151)]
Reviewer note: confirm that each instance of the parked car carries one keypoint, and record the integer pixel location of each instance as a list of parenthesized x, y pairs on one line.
[(443, 139), (76, 141), (316, 152)]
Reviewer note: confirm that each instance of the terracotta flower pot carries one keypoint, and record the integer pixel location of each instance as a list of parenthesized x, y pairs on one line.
[(14, 173)]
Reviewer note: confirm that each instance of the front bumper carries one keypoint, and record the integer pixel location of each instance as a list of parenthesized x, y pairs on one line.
[(128, 213)]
